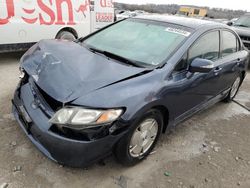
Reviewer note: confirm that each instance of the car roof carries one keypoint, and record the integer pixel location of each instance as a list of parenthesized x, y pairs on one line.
[(193, 23)]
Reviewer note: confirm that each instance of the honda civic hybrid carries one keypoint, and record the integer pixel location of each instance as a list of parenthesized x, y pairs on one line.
[(121, 88)]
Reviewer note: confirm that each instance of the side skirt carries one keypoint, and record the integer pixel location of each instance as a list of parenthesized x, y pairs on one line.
[(201, 107)]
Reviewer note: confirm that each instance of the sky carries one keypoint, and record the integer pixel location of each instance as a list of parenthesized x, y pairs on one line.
[(229, 4)]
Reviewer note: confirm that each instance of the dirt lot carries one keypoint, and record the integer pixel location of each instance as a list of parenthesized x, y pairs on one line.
[(209, 150)]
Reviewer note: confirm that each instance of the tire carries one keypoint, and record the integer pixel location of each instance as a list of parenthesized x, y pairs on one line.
[(66, 35), (234, 90), (127, 153)]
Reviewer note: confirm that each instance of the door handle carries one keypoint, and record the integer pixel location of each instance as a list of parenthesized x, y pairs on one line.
[(218, 69)]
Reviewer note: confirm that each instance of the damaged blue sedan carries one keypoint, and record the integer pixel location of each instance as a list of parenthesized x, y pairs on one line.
[(118, 89)]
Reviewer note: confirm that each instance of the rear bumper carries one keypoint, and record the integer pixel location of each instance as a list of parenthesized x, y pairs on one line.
[(65, 151)]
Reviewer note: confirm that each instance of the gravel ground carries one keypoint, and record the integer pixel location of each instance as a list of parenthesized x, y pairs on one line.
[(209, 150)]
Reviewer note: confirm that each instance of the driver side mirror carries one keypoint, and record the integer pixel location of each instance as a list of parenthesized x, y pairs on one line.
[(201, 66)]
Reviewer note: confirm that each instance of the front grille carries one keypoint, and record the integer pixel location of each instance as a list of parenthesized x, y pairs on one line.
[(246, 41), (54, 104)]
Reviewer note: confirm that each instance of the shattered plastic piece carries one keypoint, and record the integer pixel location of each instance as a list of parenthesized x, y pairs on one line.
[(4, 185), (17, 168), (216, 149), (167, 174)]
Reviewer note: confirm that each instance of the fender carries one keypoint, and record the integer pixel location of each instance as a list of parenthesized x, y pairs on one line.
[(154, 104)]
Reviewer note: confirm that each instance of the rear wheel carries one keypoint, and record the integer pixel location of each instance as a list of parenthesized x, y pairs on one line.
[(66, 35), (139, 142), (234, 90)]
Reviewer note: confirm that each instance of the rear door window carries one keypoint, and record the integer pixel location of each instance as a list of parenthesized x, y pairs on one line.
[(229, 43)]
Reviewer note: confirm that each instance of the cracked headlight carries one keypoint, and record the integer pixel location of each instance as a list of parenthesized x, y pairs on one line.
[(81, 118)]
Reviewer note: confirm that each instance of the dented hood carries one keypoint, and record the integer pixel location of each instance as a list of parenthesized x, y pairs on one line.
[(67, 71)]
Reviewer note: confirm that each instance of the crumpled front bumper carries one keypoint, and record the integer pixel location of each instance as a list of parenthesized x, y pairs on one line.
[(63, 150)]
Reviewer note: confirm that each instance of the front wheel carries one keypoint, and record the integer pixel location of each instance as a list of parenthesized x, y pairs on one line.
[(137, 144), (234, 90)]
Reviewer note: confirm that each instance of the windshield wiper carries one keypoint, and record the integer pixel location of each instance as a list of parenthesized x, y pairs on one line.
[(117, 57)]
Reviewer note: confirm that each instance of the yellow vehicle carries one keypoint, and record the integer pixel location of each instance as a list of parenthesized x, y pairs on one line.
[(192, 11)]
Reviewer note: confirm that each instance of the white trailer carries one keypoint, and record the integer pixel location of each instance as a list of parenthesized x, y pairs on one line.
[(25, 22)]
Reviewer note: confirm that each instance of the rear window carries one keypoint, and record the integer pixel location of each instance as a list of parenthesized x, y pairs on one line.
[(147, 42)]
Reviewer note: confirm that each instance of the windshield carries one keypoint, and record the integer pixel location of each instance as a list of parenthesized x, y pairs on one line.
[(243, 21), (145, 42)]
